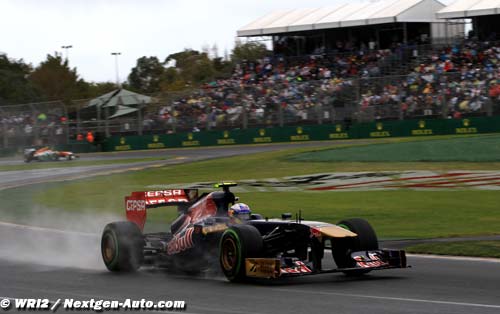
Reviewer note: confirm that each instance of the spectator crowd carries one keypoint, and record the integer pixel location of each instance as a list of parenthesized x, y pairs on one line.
[(450, 81), (31, 128)]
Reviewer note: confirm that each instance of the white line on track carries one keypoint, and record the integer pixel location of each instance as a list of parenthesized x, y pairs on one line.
[(491, 306), (457, 258), (42, 229), (86, 234)]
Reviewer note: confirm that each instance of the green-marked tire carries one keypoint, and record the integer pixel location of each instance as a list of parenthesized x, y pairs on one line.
[(122, 246), (237, 243), (342, 247)]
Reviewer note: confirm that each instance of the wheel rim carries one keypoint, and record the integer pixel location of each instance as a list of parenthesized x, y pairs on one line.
[(109, 248), (229, 254)]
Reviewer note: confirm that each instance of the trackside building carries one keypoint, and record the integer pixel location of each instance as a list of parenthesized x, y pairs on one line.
[(371, 25)]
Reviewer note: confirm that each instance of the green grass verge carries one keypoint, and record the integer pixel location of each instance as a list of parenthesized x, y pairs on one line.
[(394, 214), (461, 248), (469, 149), (76, 163)]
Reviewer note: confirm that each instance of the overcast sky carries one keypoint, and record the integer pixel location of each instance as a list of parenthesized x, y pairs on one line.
[(31, 29)]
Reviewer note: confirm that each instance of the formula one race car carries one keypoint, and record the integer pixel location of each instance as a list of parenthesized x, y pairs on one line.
[(212, 229), (46, 154)]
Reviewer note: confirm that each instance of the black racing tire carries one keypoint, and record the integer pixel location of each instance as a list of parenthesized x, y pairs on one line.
[(343, 247), (237, 243), (122, 245), (29, 157)]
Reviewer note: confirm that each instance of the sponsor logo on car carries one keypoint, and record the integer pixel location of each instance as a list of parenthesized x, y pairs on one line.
[(374, 261), (181, 243), (262, 267), (136, 205), (299, 268), (164, 193)]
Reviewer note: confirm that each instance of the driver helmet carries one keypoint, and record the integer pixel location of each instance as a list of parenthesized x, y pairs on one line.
[(240, 210)]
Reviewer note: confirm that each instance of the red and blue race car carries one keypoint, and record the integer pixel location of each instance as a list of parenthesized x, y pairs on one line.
[(213, 229)]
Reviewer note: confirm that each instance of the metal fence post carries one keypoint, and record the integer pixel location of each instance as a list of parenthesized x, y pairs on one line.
[(319, 113), (489, 102), (66, 124), (244, 117), (208, 114), (4, 133), (5, 139), (332, 113), (78, 122), (357, 100), (34, 129), (444, 106), (139, 117), (281, 119), (400, 109), (106, 122)]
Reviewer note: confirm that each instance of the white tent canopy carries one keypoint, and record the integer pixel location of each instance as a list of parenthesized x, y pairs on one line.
[(470, 8), (346, 15)]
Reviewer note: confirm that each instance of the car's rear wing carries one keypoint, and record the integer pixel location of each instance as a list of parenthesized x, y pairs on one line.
[(137, 203)]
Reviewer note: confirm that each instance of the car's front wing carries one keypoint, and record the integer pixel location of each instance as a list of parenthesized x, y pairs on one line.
[(362, 260)]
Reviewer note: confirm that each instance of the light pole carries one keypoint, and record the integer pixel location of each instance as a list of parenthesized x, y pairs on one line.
[(67, 47), (116, 54)]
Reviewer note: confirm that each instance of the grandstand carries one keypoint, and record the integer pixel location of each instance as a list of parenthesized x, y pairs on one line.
[(357, 25), (484, 14)]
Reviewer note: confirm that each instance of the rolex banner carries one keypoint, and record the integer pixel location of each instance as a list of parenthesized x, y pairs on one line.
[(304, 133)]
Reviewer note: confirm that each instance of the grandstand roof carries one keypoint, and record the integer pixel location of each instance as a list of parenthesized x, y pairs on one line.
[(343, 15), (122, 111), (470, 8), (119, 97)]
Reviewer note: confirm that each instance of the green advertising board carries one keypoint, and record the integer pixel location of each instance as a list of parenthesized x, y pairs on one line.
[(304, 133)]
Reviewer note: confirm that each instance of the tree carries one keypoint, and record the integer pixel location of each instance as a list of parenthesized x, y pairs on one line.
[(192, 66), (92, 90), (15, 88), (249, 51), (223, 67), (56, 81), (147, 75)]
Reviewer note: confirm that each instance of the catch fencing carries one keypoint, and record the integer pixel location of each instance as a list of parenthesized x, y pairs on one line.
[(221, 106), (43, 123)]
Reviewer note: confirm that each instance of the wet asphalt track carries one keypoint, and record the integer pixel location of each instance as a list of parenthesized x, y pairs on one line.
[(175, 156), (432, 285)]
